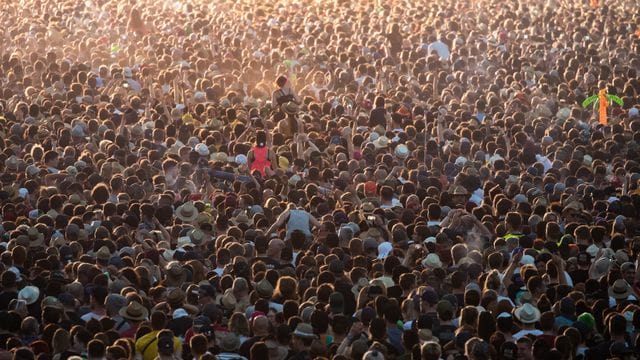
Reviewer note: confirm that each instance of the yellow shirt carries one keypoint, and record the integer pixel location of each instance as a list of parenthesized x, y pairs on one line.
[(150, 342)]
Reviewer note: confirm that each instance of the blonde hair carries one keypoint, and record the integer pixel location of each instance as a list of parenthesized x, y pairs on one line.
[(239, 324)]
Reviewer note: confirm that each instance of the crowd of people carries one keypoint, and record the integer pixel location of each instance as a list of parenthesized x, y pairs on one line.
[(292, 180)]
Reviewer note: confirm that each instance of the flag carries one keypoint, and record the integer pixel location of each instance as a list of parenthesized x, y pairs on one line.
[(602, 105)]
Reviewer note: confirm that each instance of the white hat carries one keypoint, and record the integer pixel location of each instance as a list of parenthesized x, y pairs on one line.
[(384, 249), (527, 314), (199, 96), (520, 198), (29, 294), (241, 159), (461, 160), (430, 239), (23, 193), (167, 254), (202, 149), (184, 241), (527, 260), (179, 313), (402, 151), (563, 113), (592, 250), (432, 260), (381, 142)]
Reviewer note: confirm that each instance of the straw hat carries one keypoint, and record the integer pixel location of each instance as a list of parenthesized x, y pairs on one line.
[(187, 212), (458, 190), (368, 207), (305, 331), (228, 300), (620, 290), (290, 108), (196, 235), (176, 297), (36, 238), (219, 157), (381, 143), (264, 288), (527, 314), (103, 254), (134, 312), (176, 275), (600, 268), (242, 218)]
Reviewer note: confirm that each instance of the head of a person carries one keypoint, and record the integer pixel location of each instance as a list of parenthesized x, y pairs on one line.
[(281, 81), (96, 350), (261, 138)]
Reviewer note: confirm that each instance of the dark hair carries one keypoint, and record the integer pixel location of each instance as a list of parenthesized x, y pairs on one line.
[(158, 320), (261, 138), (96, 349), (259, 351), (281, 81)]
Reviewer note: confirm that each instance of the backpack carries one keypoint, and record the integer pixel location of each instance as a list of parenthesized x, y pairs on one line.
[(285, 98)]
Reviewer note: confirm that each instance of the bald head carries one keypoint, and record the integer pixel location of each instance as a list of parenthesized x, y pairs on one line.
[(260, 326), (275, 248)]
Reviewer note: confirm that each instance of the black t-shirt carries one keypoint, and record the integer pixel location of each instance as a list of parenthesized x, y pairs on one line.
[(446, 333), (6, 297), (377, 117), (270, 263), (180, 325), (245, 348), (302, 355), (579, 276)]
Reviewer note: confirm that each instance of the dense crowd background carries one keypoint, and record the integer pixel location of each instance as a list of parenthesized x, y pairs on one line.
[(318, 180)]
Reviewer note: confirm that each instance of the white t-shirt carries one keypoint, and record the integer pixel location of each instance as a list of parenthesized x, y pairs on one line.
[(440, 48), (522, 333), (91, 315)]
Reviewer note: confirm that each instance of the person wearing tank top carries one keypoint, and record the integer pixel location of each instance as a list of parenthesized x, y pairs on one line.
[(260, 156), (296, 219)]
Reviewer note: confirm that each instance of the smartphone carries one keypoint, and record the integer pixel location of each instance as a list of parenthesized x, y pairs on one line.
[(371, 218)]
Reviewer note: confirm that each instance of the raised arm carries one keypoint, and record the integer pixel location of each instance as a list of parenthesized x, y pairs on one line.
[(350, 146), (508, 275)]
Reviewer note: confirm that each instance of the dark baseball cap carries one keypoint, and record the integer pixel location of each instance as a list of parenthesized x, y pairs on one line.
[(430, 296)]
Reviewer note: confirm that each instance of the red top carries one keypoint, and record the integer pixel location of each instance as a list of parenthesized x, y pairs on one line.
[(260, 159)]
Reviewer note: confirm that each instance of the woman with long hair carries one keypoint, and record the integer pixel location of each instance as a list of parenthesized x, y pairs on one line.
[(260, 157), (486, 325), (239, 325), (136, 24), (286, 289)]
